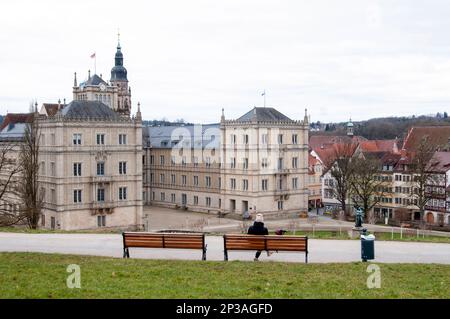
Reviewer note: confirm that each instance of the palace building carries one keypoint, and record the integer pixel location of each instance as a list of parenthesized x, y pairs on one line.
[(99, 165)]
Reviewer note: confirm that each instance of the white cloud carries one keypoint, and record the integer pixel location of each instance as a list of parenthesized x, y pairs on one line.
[(188, 59)]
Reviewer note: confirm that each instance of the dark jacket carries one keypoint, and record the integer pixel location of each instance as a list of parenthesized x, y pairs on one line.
[(258, 229)]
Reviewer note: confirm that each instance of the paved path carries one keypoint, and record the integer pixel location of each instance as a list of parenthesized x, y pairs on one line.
[(321, 251)]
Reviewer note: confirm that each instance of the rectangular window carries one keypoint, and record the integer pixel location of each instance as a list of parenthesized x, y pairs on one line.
[(100, 139), (245, 163), (77, 196), (101, 195), (184, 180), (53, 138), (208, 162), (295, 162), (294, 139), (76, 139), (122, 168), (101, 221), (280, 205), (152, 159), (161, 160), (208, 181), (265, 184), (173, 198), (233, 183), (233, 162), (264, 139), (264, 163), (295, 183), (208, 201), (280, 163), (173, 179), (163, 197), (195, 180), (233, 139), (122, 193), (195, 161), (100, 169), (52, 169), (76, 169), (162, 178), (195, 200), (245, 139), (280, 138), (245, 184), (122, 139)]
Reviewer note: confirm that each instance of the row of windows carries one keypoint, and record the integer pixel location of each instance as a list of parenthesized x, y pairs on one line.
[(233, 184), (78, 195), (77, 171), (264, 139), (245, 162), (100, 139)]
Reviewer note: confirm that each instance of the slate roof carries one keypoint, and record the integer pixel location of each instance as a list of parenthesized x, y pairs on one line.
[(13, 132), (94, 80), (206, 136), (264, 114), (88, 110)]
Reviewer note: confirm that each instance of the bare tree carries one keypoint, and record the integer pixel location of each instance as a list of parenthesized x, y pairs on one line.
[(422, 173), (341, 170), (29, 191), (9, 173), (367, 187)]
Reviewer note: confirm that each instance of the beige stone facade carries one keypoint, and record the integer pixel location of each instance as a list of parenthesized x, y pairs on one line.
[(258, 163)]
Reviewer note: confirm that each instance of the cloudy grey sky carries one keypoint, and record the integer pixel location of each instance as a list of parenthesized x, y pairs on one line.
[(188, 59)]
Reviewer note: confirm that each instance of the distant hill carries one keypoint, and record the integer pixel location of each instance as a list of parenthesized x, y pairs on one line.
[(388, 127)]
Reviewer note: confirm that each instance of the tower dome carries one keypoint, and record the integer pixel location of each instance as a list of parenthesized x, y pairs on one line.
[(118, 72)]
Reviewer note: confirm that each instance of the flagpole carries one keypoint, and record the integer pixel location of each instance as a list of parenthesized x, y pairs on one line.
[(264, 97), (95, 63)]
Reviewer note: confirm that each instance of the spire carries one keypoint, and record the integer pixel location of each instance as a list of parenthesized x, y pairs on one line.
[(89, 74), (305, 119), (222, 118), (118, 72), (138, 113), (75, 79)]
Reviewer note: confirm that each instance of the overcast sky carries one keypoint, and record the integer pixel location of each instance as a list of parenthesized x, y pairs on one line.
[(188, 59)]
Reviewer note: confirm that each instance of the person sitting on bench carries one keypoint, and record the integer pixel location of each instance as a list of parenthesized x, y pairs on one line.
[(258, 229)]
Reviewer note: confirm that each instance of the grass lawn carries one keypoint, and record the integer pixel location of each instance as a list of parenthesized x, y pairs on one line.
[(33, 275), (378, 236)]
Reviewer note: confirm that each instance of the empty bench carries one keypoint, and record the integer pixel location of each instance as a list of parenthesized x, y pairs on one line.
[(265, 242), (163, 240)]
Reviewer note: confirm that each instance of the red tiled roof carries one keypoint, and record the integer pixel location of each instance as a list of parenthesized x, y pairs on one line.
[(379, 146), (14, 118), (328, 155), (325, 141), (438, 135), (440, 162), (51, 109)]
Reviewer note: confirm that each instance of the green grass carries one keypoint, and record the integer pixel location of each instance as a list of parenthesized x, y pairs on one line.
[(410, 237), (32, 275)]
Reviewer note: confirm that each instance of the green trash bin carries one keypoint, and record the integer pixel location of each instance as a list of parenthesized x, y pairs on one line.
[(367, 247)]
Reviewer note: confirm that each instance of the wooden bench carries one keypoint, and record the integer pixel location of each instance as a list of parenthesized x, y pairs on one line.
[(268, 243), (163, 240)]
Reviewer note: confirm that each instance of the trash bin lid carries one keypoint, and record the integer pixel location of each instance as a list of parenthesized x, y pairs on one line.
[(368, 237)]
